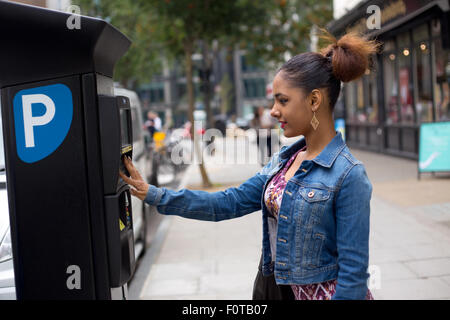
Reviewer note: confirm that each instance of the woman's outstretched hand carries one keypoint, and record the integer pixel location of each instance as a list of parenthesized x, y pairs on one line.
[(139, 187)]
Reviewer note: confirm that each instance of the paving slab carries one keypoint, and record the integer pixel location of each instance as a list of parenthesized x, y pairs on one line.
[(430, 267), (414, 289)]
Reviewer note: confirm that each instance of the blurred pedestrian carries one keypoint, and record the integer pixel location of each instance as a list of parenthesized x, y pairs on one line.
[(267, 123), (314, 194), (150, 124), (220, 122), (157, 122), (255, 124), (187, 130)]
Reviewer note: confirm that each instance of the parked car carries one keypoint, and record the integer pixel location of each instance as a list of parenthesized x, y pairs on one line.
[(7, 286)]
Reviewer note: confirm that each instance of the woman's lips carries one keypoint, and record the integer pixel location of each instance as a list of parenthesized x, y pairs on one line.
[(282, 124)]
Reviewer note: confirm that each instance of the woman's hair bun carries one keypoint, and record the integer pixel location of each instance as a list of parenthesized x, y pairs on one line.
[(350, 55)]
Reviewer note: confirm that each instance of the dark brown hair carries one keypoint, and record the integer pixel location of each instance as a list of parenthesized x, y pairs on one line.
[(345, 60)]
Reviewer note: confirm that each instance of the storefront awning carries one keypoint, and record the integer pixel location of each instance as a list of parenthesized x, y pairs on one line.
[(400, 11)]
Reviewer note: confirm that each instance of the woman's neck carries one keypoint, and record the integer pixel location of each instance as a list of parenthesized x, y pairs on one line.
[(317, 140)]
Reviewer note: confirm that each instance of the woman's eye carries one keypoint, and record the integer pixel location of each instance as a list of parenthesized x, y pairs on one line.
[(283, 101)]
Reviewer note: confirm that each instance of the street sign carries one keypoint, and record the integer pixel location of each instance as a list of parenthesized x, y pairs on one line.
[(434, 147), (339, 126), (42, 118)]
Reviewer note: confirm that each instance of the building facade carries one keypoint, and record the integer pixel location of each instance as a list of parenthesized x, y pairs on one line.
[(410, 80), (250, 85), (237, 86)]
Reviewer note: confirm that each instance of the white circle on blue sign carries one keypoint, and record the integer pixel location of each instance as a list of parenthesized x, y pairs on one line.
[(42, 119)]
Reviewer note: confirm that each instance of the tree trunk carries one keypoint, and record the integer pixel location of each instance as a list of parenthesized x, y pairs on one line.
[(207, 69), (190, 91)]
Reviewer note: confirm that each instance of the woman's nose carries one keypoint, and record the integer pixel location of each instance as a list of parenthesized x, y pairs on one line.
[(274, 112)]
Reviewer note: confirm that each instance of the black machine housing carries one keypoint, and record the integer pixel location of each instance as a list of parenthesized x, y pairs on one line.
[(70, 208)]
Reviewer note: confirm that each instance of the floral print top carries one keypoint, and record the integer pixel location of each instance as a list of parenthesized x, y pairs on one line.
[(275, 189)]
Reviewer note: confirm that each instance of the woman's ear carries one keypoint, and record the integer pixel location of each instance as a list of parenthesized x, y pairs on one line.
[(316, 98)]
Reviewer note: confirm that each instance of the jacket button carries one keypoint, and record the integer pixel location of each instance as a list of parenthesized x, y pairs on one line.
[(311, 194)]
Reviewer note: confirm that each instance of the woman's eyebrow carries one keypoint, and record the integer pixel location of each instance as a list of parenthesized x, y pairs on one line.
[(277, 95)]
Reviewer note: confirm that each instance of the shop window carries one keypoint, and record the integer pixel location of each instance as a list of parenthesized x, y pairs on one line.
[(404, 78), (403, 40), (363, 99), (372, 106), (442, 81), (350, 103), (390, 87), (197, 90), (250, 88), (360, 105), (424, 103), (156, 95), (421, 33), (389, 46), (182, 89), (435, 28), (255, 88)]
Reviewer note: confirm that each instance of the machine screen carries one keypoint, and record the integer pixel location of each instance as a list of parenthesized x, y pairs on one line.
[(124, 127)]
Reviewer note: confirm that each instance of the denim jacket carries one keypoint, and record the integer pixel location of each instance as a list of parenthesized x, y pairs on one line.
[(323, 224)]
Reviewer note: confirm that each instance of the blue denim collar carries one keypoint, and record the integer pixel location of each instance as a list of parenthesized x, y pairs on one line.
[(325, 158)]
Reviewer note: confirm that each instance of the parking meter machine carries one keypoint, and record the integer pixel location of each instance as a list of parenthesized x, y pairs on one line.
[(65, 134), (116, 143)]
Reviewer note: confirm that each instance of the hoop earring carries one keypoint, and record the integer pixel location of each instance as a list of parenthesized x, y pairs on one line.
[(314, 122)]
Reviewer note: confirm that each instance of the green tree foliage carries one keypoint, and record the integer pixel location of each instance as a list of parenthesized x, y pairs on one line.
[(284, 28), (266, 29), (142, 60)]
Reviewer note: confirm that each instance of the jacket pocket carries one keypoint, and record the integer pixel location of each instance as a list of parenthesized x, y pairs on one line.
[(313, 203), (313, 195), (310, 206), (315, 254), (309, 252)]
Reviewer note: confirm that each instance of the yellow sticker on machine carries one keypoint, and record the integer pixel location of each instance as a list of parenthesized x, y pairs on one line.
[(121, 225), (126, 149)]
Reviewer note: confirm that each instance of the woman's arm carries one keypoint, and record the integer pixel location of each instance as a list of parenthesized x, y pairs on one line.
[(352, 234), (202, 205), (196, 204)]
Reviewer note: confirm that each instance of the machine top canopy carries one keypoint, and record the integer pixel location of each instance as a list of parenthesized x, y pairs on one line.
[(41, 44)]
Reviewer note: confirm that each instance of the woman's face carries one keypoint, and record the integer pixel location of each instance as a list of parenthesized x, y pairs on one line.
[(291, 108)]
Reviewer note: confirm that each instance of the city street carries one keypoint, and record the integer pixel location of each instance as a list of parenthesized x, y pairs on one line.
[(135, 81), (409, 240)]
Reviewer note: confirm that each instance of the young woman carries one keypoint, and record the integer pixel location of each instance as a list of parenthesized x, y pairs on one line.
[(314, 194)]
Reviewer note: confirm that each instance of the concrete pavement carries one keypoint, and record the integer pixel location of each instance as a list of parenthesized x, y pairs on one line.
[(410, 229), (409, 240)]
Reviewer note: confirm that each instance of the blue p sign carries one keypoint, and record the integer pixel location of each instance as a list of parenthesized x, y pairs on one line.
[(42, 118)]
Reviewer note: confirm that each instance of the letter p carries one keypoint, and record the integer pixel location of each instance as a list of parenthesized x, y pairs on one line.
[(29, 121)]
